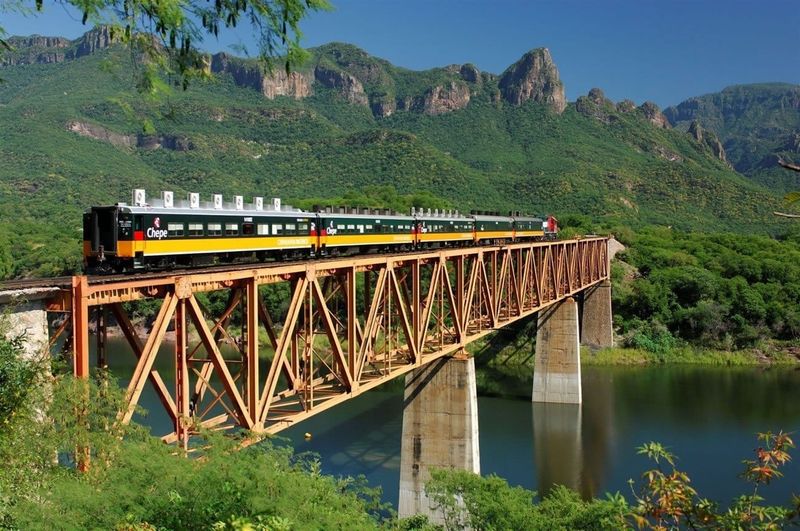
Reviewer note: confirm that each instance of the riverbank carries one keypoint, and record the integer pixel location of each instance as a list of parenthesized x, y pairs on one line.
[(772, 354), (505, 361)]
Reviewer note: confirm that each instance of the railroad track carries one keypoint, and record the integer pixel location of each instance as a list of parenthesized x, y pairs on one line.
[(66, 281)]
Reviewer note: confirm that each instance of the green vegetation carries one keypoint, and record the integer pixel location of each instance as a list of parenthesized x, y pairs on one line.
[(218, 137), (135, 482), (769, 354), (720, 291), (471, 501), (757, 123)]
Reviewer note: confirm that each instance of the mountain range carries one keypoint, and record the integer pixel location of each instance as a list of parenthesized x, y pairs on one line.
[(350, 127)]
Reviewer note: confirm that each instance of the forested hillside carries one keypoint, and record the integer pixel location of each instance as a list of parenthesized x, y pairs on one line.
[(344, 127), (757, 124)]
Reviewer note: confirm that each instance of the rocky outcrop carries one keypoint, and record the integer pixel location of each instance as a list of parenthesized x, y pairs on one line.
[(667, 154), (96, 39), (171, 142), (707, 138), (146, 142), (250, 74), (346, 85), (294, 84), (626, 106), (405, 104), (43, 50), (534, 78), (383, 108), (101, 133), (470, 73), (35, 49), (442, 99), (39, 41), (654, 115), (596, 105)]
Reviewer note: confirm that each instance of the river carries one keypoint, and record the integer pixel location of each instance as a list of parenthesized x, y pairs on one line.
[(707, 416)]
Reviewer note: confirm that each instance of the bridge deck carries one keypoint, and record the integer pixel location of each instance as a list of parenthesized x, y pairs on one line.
[(347, 326)]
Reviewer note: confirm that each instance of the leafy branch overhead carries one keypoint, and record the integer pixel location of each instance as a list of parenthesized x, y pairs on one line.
[(167, 32), (791, 197)]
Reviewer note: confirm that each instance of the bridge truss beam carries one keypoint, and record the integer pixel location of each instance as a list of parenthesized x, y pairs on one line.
[(293, 340)]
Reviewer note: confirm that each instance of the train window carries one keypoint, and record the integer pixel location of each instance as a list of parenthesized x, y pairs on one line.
[(369, 227), (351, 227), (291, 228), (303, 228), (214, 229), (277, 229), (248, 228), (231, 229), (339, 227), (195, 229), (263, 229), (360, 229), (175, 229)]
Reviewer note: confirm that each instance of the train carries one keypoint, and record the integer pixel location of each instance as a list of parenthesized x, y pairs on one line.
[(162, 233)]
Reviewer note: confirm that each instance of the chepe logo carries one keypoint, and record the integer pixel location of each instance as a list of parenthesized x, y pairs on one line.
[(156, 232)]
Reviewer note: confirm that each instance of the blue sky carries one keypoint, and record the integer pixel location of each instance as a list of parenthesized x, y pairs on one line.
[(664, 51)]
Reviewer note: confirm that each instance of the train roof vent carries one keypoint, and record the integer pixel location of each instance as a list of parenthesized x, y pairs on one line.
[(139, 197)]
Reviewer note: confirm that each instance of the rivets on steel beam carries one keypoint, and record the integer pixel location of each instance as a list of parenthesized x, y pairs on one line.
[(183, 288)]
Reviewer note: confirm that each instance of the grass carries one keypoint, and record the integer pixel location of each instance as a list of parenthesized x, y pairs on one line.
[(687, 355)]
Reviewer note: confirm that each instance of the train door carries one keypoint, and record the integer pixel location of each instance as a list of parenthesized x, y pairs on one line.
[(104, 230)]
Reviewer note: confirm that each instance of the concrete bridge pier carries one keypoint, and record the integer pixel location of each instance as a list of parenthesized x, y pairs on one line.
[(23, 313), (596, 322), (557, 367), (440, 429)]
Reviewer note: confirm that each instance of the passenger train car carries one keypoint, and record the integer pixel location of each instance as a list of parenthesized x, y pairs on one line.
[(162, 234)]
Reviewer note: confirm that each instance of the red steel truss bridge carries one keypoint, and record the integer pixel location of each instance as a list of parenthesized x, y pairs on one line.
[(347, 325)]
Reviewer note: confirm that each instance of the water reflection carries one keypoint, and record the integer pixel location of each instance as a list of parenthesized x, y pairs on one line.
[(557, 445)]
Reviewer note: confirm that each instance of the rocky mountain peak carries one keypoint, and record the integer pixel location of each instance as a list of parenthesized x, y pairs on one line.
[(653, 114), (250, 74), (598, 97), (596, 105), (93, 40), (534, 78), (626, 106), (470, 73)]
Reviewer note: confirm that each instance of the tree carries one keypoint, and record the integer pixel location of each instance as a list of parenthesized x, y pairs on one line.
[(791, 197), (166, 32)]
